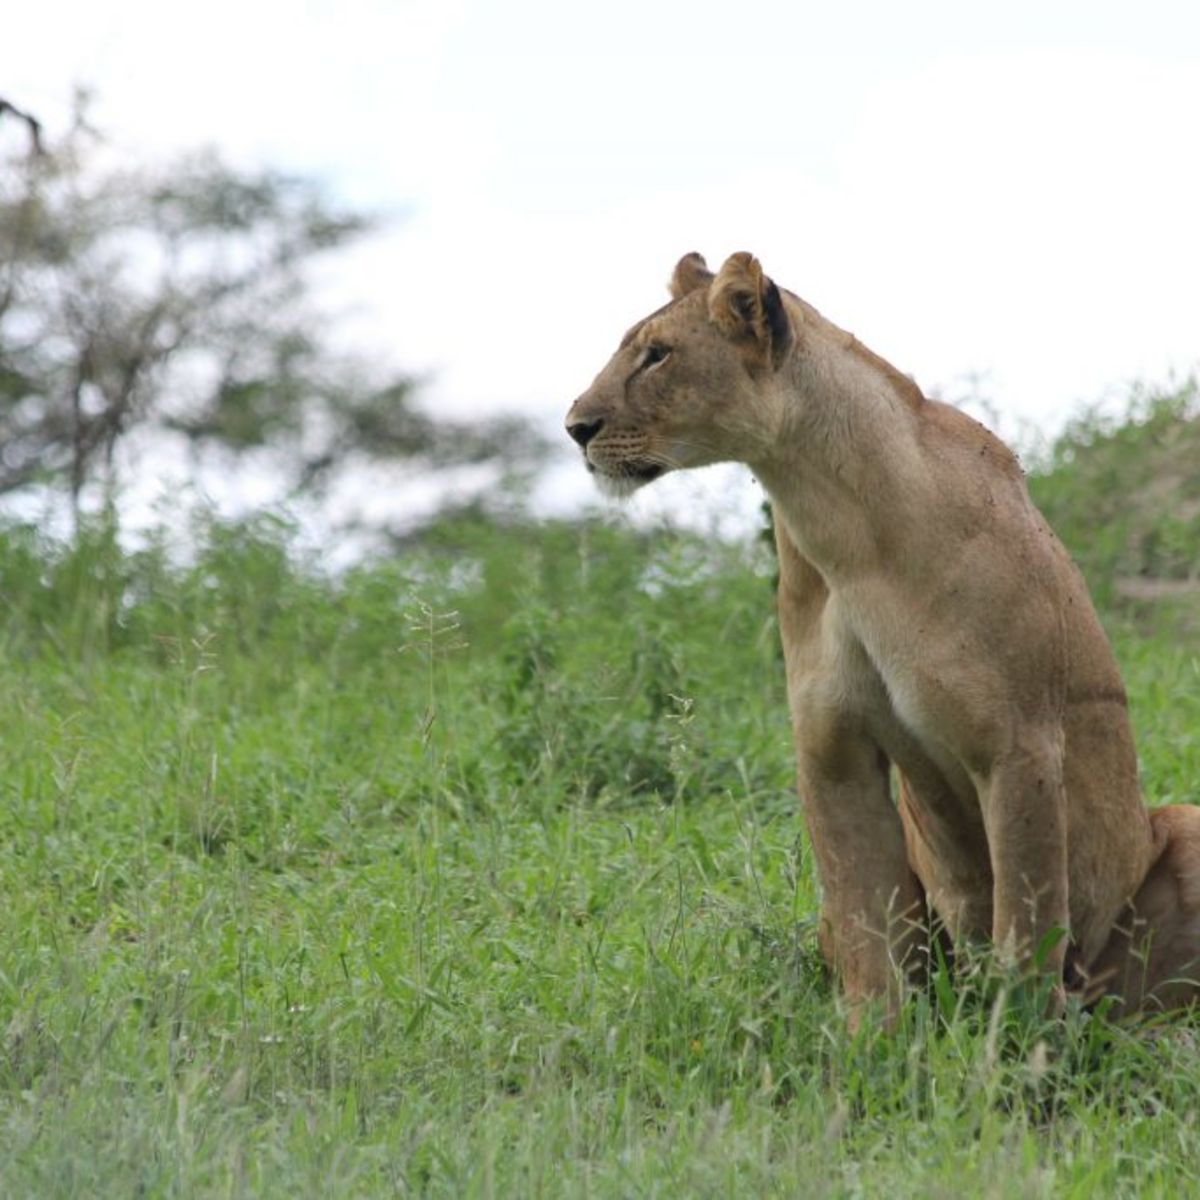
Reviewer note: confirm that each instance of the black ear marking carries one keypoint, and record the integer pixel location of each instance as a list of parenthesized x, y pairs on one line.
[(777, 322)]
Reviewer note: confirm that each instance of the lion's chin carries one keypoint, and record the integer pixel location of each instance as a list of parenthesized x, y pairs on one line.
[(621, 486)]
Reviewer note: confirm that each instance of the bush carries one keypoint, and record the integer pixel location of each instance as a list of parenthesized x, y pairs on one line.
[(1123, 492)]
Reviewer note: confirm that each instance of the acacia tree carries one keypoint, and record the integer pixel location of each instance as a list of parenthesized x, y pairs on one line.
[(177, 299), (32, 125)]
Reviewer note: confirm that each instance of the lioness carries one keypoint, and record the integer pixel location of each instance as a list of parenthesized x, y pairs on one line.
[(931, 621)]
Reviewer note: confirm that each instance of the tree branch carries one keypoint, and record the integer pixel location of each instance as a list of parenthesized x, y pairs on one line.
[(32, 123)]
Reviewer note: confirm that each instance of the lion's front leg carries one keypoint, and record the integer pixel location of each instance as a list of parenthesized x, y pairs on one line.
[(1025, 816), (873, 918)]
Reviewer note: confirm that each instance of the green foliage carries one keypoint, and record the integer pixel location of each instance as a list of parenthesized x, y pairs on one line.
[(477, 872), (1123, 492), (177, 301)]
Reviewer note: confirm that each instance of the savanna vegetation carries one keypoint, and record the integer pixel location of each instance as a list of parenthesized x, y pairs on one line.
[(150, 311), (476, 870)]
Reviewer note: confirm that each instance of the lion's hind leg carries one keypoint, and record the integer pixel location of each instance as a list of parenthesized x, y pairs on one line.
[(1152, 959)]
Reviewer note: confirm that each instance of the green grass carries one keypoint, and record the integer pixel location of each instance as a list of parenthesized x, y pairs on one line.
[(478, 873)]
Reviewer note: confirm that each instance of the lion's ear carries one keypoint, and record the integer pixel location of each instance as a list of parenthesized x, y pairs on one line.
[(691, 272), (745, 305)]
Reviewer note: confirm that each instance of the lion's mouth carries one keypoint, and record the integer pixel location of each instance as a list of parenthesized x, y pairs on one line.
[(624, 478), (642, 472)]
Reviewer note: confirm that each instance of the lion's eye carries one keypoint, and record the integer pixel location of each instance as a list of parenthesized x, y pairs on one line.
[(655, 353)]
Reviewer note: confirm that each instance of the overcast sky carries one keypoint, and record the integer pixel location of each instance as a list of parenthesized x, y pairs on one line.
[(1003, 192)]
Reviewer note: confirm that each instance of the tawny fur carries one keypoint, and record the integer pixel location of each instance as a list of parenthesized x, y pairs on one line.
[(931, 622)]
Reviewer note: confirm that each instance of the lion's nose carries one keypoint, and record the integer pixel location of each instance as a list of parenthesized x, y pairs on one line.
[(584, 431)]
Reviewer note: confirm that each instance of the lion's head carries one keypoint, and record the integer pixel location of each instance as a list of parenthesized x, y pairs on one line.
[(691, 384)]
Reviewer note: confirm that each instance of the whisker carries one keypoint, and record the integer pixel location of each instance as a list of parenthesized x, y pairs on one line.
[(696, 445), (664, 459)]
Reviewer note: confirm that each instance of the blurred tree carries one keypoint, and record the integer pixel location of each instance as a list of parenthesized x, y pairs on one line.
[(32, 125), (178, 299)]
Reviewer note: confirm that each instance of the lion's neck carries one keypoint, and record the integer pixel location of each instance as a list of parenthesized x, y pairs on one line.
[(846, 460)]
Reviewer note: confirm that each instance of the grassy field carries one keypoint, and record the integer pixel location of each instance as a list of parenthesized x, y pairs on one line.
[(478, 873)]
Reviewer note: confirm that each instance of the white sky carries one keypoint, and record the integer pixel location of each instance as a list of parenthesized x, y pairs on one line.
[(1002, 190)]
